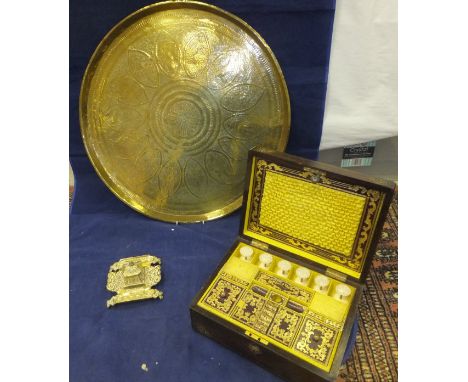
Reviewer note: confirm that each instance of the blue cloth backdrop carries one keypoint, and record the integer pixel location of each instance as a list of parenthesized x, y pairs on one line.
[(111, 345)]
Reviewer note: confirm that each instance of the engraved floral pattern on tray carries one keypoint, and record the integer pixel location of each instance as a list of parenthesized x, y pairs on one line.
[(175, 104)]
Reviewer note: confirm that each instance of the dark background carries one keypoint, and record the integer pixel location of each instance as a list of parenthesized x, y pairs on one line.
[(111, 345)]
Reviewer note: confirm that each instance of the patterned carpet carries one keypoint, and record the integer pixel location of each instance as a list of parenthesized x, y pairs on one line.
[(375, 356)]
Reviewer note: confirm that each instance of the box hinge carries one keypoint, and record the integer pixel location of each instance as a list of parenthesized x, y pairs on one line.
[(334, 274), (259, 245)]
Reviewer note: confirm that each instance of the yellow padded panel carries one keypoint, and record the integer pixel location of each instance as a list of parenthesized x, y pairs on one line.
[(289, 203)]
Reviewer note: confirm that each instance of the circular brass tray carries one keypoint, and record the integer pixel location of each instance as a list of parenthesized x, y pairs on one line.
[(172, 100)]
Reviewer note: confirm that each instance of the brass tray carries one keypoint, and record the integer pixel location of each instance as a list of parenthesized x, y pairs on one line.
[(172, 100)]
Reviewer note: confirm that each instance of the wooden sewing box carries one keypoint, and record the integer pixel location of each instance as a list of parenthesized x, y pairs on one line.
[(309, 215)]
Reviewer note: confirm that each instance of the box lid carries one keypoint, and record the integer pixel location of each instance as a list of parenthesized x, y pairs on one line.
[(319, 212)]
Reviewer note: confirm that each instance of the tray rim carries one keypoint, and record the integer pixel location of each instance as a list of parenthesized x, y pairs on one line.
[(88, 75)]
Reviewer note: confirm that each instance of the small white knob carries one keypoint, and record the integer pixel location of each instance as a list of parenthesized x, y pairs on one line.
[(265, 260), (321, 283), (283, 268), (342, 292), (246, 253), (302, 275)]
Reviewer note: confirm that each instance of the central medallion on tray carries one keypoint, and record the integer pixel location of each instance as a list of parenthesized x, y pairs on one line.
[(185, 116)]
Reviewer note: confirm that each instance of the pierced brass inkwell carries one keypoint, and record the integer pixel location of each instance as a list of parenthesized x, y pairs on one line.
[(133, 278)]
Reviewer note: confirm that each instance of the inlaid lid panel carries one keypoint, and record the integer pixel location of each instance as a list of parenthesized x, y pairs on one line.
[(315, 211)]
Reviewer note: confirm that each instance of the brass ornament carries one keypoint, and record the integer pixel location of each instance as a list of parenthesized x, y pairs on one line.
[(172, 100), (133, 278)]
